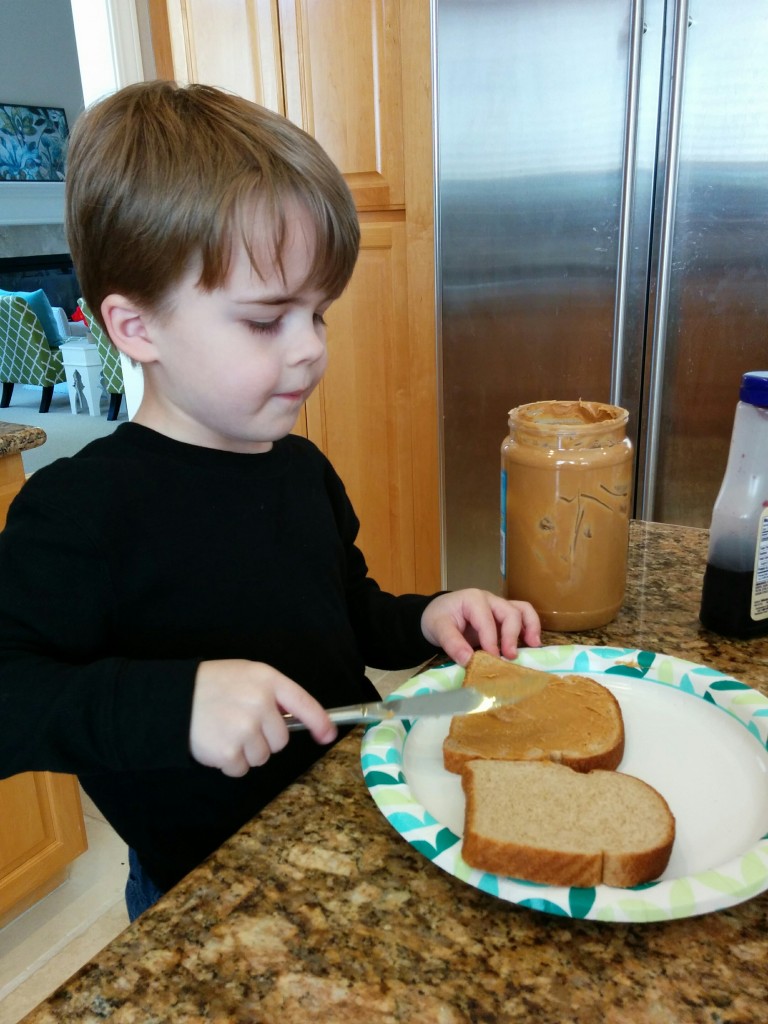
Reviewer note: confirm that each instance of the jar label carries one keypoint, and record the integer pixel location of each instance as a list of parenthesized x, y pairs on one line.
[(760, 586), (503, 530)]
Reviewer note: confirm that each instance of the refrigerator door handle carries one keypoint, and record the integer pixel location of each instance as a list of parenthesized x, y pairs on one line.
[(628, 177), (661, 312)]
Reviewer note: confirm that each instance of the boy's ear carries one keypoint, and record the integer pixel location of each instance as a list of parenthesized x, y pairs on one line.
[(127, 327)]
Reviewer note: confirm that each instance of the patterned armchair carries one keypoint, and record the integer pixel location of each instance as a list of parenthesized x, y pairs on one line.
[(25, 355), (111, 370)]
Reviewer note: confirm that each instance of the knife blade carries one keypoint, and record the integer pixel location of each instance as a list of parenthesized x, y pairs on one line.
[(467, 700)]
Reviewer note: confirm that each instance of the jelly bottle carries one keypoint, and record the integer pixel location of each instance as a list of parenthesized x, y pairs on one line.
[(734, 599)]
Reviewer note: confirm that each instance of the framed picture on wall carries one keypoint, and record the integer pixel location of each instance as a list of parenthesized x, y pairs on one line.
[(33, 143)]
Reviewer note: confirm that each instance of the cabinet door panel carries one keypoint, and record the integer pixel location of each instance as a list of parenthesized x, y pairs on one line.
[(361, 413), (233, 45), (11, 479), (29, 815), (341, 61), (42, 831)]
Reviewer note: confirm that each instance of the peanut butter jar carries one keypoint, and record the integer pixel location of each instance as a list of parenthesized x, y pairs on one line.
[(566, 481)]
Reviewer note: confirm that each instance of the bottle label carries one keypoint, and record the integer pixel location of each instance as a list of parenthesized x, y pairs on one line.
[(759, 608), (503, 529)]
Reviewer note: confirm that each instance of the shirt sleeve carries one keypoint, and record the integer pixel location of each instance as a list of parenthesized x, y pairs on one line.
[(66, 704)]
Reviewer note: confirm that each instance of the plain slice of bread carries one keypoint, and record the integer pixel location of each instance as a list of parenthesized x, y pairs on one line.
[(574, 720), (543, 822)]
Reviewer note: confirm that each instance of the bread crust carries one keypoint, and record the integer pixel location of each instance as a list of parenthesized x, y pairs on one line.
[(574, 721), (585, 846)]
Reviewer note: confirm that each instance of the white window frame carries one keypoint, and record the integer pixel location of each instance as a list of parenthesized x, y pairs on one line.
[(122, 47)]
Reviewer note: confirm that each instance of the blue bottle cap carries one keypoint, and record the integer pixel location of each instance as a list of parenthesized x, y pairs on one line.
[(754, 388)]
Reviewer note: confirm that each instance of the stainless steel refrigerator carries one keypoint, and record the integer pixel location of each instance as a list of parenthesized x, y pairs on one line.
[(602, 233)]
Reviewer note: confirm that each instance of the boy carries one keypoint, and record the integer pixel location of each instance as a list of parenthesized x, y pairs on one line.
[(213, 553)]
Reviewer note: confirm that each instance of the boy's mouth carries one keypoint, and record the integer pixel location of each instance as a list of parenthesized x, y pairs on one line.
[(293, 396)]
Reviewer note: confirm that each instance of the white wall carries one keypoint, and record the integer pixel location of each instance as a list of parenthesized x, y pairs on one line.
[(38, 67), (38, 55)]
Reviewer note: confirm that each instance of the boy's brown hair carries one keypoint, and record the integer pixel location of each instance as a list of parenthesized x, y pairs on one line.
[(162, 179)]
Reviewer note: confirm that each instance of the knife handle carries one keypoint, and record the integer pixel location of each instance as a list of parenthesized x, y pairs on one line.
[(339, 716), (293, 724)]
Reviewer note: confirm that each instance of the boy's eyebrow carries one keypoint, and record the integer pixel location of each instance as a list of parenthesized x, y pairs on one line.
[(277, 299), (265, 300)]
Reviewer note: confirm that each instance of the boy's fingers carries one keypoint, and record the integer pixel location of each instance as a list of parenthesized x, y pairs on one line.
[(310, 713), (488, 632), (235, 766), (257, 750), (458, 650)]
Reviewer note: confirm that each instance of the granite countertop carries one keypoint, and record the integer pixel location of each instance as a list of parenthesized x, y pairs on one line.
[(317, 911), (16, 437)]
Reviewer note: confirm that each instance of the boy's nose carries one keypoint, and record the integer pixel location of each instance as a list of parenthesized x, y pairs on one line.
[(309, 344)]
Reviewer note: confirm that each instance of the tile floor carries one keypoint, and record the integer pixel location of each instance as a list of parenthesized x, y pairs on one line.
[(54, 938)]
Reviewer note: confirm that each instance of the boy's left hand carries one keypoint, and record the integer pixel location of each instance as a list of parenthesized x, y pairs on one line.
[(466, 619)]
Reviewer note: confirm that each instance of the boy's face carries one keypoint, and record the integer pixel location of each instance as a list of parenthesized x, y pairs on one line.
[(232, 367)]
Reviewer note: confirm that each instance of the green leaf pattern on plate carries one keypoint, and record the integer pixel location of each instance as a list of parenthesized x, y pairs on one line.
[(740, 879), (547, 906), (581, 901), (443, 840), (383, 779), (395, 796), (405, 822)]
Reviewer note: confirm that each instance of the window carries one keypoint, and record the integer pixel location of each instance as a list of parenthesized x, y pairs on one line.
[(108, 46)]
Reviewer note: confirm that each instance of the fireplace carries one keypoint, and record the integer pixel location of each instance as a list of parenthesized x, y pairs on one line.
[(53, 273)]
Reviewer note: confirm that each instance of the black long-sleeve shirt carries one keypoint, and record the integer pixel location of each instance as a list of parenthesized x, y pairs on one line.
[(123, 568)]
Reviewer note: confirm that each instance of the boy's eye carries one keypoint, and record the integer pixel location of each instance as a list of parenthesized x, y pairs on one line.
[(263, 326), (273, 326)]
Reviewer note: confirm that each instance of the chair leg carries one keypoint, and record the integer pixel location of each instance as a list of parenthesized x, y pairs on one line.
[(45, 401), (114, 405), (5, 401)]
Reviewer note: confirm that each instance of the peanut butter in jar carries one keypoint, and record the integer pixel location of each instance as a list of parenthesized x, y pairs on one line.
[(566, 481)]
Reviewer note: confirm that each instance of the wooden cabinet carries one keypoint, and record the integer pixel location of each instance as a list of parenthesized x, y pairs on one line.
[(343, 84), (356, 75), (361, 414), (11, 479), (41, 832), (41, 820)]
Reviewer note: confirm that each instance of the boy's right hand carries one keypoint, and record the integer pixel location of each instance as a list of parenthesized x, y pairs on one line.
[(237, 714)]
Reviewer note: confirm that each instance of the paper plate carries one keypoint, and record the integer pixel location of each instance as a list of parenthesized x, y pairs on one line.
[(699, 737)]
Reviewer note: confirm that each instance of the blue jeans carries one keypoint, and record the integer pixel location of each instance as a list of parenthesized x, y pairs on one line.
[(140, 891)]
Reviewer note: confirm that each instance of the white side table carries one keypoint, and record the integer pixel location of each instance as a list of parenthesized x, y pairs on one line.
[(82, 367)]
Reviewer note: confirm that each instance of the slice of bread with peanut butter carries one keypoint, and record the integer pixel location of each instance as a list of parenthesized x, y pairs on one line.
[(573, 720)]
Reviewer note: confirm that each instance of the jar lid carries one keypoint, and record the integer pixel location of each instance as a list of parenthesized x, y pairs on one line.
[(754, 388)]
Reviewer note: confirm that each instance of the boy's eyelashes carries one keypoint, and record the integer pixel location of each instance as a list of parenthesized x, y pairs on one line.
[(273, 326), (263, 326)]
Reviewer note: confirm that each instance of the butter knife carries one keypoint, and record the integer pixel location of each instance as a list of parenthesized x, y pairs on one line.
[(465, 701)]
